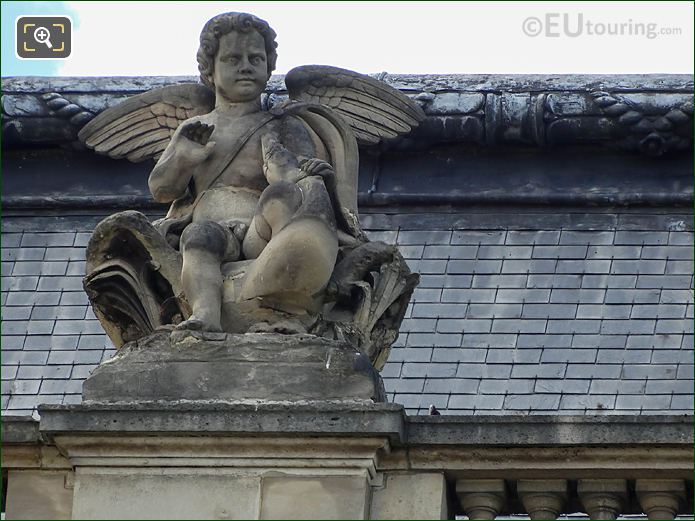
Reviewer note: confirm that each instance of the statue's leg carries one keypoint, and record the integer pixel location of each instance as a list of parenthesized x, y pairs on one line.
[(204, 246), (302, 244), (278, 203)]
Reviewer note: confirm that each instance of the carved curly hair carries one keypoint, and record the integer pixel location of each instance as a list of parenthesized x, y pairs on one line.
[(223, 24)]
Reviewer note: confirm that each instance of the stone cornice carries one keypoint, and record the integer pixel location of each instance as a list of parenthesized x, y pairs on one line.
[(650, 114)]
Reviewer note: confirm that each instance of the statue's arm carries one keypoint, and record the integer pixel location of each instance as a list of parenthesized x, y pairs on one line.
[(290, 154), (189, 146)]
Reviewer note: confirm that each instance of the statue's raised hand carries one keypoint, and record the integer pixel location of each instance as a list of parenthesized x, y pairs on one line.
[(192, 143)]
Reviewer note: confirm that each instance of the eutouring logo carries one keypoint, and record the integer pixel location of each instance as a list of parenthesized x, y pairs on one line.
[(558, 25)]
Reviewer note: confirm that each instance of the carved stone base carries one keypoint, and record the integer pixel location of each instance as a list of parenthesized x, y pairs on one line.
[(196, 366)]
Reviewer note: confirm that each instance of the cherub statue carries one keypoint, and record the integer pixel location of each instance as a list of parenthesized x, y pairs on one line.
[(262, 233)]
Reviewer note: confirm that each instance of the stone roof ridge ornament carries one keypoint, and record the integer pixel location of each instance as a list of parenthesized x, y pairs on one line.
[(263, 234)]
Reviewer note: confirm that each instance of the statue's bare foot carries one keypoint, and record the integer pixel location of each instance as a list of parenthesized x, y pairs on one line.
[(283, 327), (196, 324)]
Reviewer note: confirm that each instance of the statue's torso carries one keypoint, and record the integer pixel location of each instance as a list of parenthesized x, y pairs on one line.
[(235, 193)]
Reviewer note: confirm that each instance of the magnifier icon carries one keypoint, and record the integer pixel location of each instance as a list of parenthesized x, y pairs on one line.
[(42, 35)]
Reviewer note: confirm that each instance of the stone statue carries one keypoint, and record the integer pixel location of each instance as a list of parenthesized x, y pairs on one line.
[(262, 234)]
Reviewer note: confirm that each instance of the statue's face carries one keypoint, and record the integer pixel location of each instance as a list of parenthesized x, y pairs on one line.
[(241, 67)]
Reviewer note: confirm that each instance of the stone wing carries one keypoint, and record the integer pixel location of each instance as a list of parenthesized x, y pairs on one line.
[(140, 128), (374, 110)]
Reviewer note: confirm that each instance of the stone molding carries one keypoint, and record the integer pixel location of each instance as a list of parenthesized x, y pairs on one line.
[(646, 114)]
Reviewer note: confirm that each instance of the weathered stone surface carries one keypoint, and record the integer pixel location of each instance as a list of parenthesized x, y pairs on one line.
[(187, 365), (39, 494), (410, 496)]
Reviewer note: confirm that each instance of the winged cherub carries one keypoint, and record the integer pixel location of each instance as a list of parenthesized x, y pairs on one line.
[(264, 202)]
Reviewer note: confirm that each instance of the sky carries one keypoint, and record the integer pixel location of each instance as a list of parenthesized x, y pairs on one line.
[(161, 38)]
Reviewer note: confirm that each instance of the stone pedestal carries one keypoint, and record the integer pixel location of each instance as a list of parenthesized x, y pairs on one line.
[(267, 460), (191, 365)]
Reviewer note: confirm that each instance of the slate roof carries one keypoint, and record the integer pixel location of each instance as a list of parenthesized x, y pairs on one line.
[(512, 321)]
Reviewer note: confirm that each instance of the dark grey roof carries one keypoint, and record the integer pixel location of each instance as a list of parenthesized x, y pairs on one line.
[(518, 321)]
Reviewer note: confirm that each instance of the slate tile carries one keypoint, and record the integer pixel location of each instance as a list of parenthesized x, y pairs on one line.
[(504, 252), (559, 252), (562, 386), (572, 355), (640, 267), (632, 296), (669, 386), (600, 341), (583, 266), (26, 386), (640, 237), (685, 371), (458, 386), (74, 298), (57, 372), (546, 237), (502, 387), (674, 326), (60, 284), (9, 372), (522, 295), (16, 313), (424, 237), (627, 327), (10, 240), (614, 252), (404, 385), (469, 295), (466, 355), (76, 268), (494, 310), (681, 238), (12, 342), (531, 341), (417, 370), (16, 283), (539, 370), (31, 298), (403, 354), (418, 325), (488, 402), (659, 311), (554, 281), (576, 326), (617, 386), (439, 310), (586, 371), (582, 402), (549, 311), (541, 402), (478, 237), (586, 237), (649, 371), (471, 340), (608, 281), (463, 326), (605, 311), (637, 401), (499, 281), (660, 281), (48, 239), (464, 267), (67, 254), (676, 296), (615, 356), (450, 252), (679, 267), (529, 266), (667, 252), (501, 325)]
